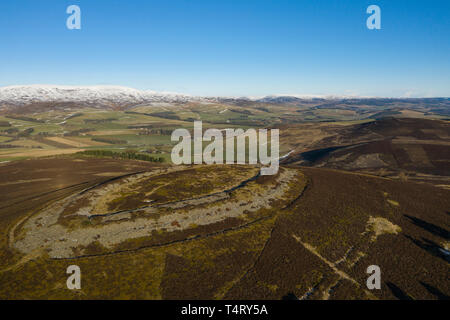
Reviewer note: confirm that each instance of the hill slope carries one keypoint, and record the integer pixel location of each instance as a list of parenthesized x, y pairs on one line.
[(418, 148), (314, 242)]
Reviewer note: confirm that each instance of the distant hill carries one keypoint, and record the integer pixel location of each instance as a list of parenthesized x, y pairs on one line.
[(101, 96), (57, 96), (416, 147)]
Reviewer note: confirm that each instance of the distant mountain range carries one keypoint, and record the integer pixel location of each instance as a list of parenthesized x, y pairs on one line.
[(114, 96), (95, 95)]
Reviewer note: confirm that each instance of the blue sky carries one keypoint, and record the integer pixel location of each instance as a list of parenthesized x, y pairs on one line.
[(231, 47)]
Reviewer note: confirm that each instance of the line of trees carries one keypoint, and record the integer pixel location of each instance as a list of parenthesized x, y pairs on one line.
[(23, 118), (109, 140), (132, 155)]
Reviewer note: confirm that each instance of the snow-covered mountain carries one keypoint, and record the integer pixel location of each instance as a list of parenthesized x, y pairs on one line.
[(119, 96), (92, 95)]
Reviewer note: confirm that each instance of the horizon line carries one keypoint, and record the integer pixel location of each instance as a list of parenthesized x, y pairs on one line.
[(249, 97)]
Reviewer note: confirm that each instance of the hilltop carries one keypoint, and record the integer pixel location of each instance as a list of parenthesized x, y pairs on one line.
[(144, 231)]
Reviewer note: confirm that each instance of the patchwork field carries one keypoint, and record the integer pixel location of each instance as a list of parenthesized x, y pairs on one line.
[(304, 124)]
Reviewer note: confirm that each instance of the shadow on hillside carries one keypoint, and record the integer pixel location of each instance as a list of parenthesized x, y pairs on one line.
[(290, 296), (431, 247), (397, 292), (432, 228), (434, 291)]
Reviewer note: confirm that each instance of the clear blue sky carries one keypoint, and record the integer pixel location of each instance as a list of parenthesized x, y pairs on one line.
[(231, 47)]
